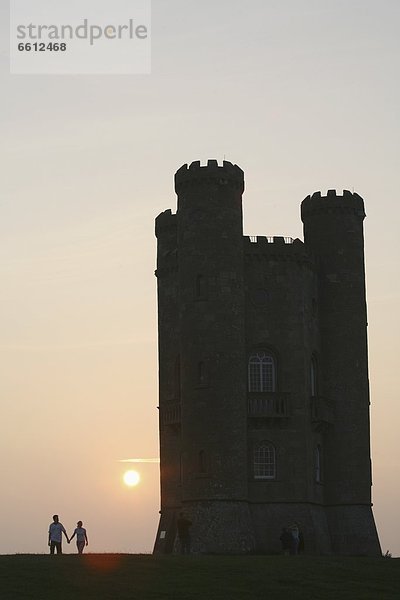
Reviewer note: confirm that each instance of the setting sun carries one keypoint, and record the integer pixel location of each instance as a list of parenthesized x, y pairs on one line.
[(131, 478)]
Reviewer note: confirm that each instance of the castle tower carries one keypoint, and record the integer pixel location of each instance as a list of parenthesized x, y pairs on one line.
[(202, 350), (333, 232), (253, 412)]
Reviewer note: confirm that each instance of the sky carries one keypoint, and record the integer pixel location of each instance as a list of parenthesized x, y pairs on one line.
[(303, 95)]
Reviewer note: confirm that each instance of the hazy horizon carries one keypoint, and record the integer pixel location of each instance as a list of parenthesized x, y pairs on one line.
[(303, 95)]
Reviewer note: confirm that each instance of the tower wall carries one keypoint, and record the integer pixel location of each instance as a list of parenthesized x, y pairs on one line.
[(210, 321), (168, 376), (279, 283), (211, 300), (333, 232), (281, 290)]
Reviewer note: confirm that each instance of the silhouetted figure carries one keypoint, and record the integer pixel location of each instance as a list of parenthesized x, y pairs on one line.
[(286, 540), (56, 530), (294, 530), (184, 525), (81, 537)]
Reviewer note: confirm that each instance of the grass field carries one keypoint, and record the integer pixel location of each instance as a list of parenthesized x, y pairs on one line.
[(143, 577)]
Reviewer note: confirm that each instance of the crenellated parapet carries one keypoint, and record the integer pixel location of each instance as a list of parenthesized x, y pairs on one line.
[(277, 247), (346, 203), (226, 175), (279, 240)]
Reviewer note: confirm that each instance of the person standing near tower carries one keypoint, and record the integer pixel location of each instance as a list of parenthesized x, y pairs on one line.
[(184, 525), (294, 547), (56, 529)]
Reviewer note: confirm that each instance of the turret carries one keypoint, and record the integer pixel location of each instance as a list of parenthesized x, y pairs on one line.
[(333, 233), (203, 410), (212, 331)]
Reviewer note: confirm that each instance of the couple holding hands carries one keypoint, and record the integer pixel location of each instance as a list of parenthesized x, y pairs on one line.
[(56, 530)]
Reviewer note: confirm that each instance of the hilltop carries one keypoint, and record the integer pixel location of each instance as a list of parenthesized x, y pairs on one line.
[(144, 577)]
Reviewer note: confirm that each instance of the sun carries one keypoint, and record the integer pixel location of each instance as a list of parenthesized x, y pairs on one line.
[(131, 478)]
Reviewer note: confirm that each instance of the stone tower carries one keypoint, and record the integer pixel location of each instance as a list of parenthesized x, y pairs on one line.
[(263, 375)]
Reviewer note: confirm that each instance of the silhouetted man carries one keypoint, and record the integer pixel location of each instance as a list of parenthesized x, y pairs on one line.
[(184, 525), (56, 530)]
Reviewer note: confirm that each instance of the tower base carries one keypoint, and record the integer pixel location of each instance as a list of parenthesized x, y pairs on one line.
[(353, 530), (234, 527)]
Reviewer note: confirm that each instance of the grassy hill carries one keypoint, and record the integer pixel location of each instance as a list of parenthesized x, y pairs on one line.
[(143, 577)]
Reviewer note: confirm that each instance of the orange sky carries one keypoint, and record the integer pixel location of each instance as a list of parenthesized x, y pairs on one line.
[(303, 98)]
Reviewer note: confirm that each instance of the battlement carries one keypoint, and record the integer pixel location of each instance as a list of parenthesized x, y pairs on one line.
[(165, 221), (348, 202), (276, 239), (195, 173), (278, 247)]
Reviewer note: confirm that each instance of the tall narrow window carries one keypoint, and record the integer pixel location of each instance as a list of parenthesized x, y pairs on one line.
[(261, 373), (201, 373), (177, 378), (264, 464), (318, 464), (201, 287), (313, 376)]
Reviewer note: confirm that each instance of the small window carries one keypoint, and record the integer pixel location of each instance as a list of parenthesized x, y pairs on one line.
[(261, 373), (318, 464), (313, 376), (264, 461)]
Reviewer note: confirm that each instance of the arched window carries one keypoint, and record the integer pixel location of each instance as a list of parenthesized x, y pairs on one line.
[(314, 376), (318, 464), (261, 372), (264, 461)]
